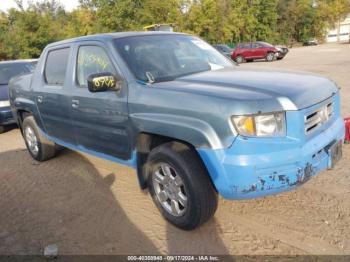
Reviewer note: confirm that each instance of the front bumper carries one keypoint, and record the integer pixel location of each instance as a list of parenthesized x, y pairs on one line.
[(6, 117), (255, 167), (281, 54)]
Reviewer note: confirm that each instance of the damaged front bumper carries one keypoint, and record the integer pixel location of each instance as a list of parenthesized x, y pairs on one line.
[(255, 167)]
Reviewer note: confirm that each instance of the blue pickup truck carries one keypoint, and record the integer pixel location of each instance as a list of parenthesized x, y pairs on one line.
[(191, 122), (8, 70)]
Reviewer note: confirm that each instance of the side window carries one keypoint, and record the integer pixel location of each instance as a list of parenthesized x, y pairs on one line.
[(92, 60), (245, 46), (56, 66)]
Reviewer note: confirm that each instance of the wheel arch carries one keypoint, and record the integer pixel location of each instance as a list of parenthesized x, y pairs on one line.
[(21, 115), (148, 141)]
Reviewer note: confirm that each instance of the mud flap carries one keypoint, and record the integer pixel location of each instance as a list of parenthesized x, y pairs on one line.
[(335, 153)]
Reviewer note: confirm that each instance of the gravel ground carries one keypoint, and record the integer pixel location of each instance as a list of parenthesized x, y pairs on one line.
[(87, 205)]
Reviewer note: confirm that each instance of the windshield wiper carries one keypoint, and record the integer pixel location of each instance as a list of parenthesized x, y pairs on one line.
[(151, 79), (165, 79)]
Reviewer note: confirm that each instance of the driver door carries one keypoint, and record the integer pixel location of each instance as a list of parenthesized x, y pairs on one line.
[(100, 119), (258, 51)]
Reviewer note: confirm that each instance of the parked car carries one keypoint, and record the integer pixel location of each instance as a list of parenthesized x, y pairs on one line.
[(8, 70), (311, 42), (33, 62), (224, 49), (186, 118), (160, 27), (252, 51)]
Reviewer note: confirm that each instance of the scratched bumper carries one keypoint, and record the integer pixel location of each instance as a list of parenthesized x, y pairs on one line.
[(6, 117), (256, 167)]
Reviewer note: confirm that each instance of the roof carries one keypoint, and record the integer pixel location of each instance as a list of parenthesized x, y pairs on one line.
[(111, 36)]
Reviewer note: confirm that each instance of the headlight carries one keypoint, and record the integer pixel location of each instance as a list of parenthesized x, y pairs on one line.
[(261, 125), (4, 103)]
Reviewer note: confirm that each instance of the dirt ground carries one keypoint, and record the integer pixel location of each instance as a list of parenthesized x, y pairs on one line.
[(87, 205)]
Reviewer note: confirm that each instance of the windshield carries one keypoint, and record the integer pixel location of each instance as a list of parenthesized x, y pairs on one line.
[(156, 58), (9, 70)]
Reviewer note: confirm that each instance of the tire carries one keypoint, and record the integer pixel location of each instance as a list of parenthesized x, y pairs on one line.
[(39, 147), (239, 59), (2, 129), (270, 57), (190, 184)]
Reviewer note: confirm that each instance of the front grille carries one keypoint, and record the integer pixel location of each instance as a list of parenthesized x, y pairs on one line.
[(318, 117)]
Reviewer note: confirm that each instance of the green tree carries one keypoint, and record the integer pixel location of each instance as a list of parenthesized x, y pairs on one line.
[(29, 31), (25, 32)]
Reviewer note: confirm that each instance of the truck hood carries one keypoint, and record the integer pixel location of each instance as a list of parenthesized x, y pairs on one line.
[(4, 95), (291, 90)]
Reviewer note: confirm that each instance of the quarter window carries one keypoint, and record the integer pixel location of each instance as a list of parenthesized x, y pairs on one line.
[(56, 66), (92, 60)]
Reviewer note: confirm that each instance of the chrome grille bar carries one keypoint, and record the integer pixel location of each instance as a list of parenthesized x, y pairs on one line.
[(318, 117)]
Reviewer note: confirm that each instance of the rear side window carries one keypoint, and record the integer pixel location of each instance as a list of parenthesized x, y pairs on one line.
[(56, 66)]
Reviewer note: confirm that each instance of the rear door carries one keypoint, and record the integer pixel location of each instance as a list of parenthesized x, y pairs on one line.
[(100, 119), (52, 96)]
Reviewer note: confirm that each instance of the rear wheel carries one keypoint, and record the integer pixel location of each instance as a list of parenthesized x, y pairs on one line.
[(270, 57), (180, 186), (2, 129), (39, 147), (239, 59)]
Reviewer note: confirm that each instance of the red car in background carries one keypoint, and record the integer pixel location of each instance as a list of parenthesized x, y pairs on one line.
[(257, 50)]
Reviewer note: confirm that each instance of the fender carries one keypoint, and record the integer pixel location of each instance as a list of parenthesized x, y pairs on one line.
[(193, 131), (27, 105)]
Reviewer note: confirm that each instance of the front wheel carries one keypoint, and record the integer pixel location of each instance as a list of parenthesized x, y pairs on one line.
[(180, 186), (270, 57)]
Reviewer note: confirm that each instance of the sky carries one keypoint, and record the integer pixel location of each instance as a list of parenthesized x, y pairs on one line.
[(68, 4)]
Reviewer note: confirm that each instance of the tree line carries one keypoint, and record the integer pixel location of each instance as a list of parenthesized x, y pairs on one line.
[(25, 31)]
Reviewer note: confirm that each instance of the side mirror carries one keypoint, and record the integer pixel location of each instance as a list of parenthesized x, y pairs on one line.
[(103, 82)]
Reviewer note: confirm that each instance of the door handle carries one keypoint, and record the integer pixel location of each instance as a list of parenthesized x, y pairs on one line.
[(75, 103), (40, 99)]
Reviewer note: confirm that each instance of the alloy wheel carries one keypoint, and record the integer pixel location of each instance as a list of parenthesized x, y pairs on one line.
[(170, 190), (32, 140)]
